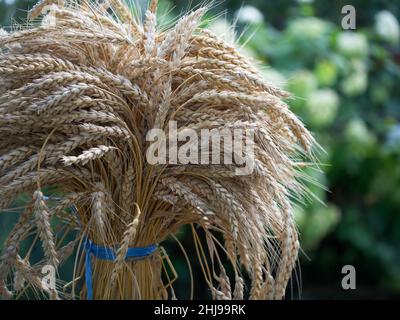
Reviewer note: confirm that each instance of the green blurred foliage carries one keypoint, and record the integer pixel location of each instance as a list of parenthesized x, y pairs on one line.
[(344, 86), (344, 83)]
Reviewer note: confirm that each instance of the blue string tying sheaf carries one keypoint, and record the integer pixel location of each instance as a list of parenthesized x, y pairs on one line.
[(104, 253), (107, 253)]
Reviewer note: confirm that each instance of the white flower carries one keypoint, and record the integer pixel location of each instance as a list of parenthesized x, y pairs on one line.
[(302, 83), (358, 133), (352, 44), (249, 14), (309, 27), (322, 106), (387, 26), (355, 84)]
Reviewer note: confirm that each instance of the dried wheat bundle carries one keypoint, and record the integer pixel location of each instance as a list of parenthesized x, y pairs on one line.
[(79, 91)]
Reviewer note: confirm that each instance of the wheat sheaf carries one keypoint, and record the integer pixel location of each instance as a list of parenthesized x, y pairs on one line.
[(80, 89)]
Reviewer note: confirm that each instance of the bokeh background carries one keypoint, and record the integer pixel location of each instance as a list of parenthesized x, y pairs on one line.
[(346, 86)]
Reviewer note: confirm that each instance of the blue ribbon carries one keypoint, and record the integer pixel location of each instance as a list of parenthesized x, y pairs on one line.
[(107, 253)]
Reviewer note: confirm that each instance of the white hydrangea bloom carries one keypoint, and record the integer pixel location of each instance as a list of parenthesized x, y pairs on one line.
[(310, 27), (355, 84), (249, 14), (352, 43), (358, 133), (322, 106), (387, 26)]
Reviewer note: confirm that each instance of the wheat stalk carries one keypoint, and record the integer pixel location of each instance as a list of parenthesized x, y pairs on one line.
[(77, 100)]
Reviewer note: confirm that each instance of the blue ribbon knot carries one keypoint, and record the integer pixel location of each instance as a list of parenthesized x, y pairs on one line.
[(107, 253)]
